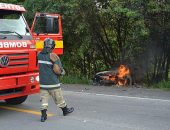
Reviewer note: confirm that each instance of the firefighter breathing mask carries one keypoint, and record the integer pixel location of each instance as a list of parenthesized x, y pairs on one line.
[(49, 45)]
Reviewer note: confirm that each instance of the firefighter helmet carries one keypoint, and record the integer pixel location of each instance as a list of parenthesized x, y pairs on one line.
[(49, 45)]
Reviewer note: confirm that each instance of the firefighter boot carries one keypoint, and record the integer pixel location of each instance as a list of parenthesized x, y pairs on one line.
[(43, 115), (67, 110)]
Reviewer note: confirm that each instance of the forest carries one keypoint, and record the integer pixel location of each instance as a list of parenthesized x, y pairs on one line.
[(100, 35)]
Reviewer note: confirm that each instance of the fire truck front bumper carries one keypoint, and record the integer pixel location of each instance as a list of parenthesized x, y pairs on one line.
[(19, 85)]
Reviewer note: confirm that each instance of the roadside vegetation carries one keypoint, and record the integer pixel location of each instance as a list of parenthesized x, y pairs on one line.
[(100, 34), (73, 79), (165, 85)]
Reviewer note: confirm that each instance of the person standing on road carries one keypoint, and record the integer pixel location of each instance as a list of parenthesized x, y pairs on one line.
[(50, 68)]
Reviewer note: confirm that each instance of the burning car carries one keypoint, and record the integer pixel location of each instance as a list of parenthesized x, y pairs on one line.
[(120, 76)]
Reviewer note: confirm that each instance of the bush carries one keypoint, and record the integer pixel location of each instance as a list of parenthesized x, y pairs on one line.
[(72, 79), (162, 85)]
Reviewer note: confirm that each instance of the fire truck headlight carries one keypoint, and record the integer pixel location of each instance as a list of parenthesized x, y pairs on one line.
[(32, 79), (37, 78)]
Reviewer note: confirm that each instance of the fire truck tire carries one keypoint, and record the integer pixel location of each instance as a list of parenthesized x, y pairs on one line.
[(15, 101)]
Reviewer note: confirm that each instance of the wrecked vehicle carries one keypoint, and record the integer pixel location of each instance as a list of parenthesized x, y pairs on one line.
[(120, 76)]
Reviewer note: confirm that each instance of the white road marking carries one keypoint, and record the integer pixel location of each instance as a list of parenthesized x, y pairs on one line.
[(129, 97)]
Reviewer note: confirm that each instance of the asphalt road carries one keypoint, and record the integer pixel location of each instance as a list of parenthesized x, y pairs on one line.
[(108, 109)]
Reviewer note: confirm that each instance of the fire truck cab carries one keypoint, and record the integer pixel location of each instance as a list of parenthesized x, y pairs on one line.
[(18, 50)]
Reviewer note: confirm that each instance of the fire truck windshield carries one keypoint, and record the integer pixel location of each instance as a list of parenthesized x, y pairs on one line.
[(12, 23)]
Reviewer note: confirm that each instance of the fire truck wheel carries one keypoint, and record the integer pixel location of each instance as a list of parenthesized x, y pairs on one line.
[(15, 101)]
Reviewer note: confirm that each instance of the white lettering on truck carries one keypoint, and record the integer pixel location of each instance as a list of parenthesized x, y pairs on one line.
[(9, 6), (12, 44)]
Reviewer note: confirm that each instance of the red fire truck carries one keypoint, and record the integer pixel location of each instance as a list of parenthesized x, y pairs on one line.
[(18, 49)]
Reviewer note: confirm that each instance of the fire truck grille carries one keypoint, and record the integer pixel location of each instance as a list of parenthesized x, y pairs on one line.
[(11, 91), (18, 60)]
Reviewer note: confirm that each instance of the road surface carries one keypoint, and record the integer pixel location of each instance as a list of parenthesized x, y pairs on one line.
[(96, 108)]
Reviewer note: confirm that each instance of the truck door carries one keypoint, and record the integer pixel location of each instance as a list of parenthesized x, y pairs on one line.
[(47, 26)]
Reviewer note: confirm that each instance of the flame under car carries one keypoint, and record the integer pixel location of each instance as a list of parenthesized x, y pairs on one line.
[(120, 76)]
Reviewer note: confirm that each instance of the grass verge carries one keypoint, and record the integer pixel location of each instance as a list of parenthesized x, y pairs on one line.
[(72, 79), (165, 85)]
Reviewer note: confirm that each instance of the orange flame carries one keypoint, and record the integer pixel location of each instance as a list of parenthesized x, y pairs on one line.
[(119, 76), (122, 72)]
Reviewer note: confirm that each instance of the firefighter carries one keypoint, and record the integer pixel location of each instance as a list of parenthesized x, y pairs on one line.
[(50, 68)]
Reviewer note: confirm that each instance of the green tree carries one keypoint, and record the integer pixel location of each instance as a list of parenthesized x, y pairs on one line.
[(101, 33), (157, 19)]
